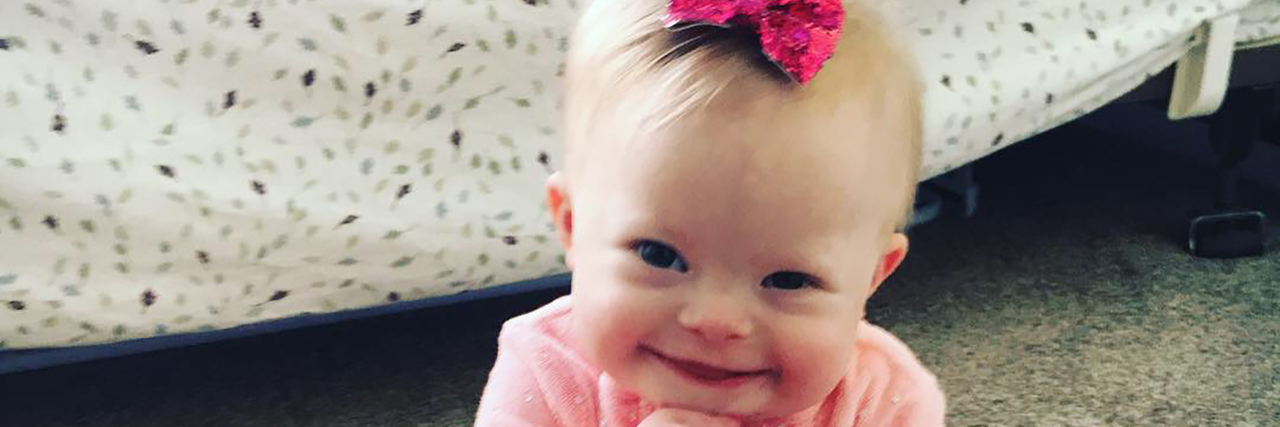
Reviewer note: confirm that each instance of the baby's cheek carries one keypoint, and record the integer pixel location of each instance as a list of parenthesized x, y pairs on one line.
[(813, 361), (608, 319)]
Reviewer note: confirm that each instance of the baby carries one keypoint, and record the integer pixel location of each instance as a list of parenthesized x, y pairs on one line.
[(726, 214)]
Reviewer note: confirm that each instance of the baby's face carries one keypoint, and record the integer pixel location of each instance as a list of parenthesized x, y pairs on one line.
[(723, 265)]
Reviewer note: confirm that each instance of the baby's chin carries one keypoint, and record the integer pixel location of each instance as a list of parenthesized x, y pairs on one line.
[(743, 413), (755, 404)]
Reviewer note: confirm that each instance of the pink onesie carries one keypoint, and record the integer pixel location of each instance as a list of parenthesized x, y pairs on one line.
[(541, 380)]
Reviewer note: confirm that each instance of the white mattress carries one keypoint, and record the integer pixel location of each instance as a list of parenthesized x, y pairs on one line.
[(1002, 71), (178, 167)]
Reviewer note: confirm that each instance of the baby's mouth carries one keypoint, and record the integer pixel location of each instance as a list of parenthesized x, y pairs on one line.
[(708, 374)]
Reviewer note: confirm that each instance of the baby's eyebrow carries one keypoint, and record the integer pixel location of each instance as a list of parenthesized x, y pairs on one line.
[(803, 258), (640, 224), (816, 269)]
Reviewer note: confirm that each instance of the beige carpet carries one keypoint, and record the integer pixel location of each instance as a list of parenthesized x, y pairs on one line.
[(1067, 301)]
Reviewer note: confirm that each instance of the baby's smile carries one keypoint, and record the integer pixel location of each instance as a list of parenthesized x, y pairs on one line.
[(708, 374)]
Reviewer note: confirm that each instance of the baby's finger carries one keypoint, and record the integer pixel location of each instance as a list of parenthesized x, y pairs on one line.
[(687, 418), (713, 421)]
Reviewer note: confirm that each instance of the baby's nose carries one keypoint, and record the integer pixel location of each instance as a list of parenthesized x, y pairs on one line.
[(716, 317)]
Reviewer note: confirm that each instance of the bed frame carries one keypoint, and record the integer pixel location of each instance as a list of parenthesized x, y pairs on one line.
[(1249, 113), (1257, 67)]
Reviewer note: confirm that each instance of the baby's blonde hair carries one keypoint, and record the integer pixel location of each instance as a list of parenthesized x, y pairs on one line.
[(624, 60)]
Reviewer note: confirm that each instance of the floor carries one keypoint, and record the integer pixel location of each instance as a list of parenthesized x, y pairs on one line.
[(1068, 300)]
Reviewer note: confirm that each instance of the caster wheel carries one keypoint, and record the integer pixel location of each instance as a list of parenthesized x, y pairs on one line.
[(1232, 234)]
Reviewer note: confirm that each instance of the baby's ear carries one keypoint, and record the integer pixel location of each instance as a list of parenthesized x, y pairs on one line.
[(889, 260), (561, 213)]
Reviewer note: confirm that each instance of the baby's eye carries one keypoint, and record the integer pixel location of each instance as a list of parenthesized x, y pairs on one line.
[(660, 255), (789, 281)]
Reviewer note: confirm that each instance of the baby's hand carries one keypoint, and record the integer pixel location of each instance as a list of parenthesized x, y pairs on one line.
[(671, 417)]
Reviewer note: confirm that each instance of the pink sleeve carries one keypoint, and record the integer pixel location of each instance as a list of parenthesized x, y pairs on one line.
[(512, 398), (538, 379), (924, 407), (896, 389), (909, 400)]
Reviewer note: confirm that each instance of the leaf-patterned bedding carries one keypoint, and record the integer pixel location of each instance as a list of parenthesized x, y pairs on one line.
[(184, 165)]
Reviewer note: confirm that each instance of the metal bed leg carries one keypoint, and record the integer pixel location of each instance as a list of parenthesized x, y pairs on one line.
[(955, 185), (1230, 231), (959, 184)]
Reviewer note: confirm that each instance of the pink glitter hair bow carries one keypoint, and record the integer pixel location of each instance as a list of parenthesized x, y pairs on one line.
[(798, 35)]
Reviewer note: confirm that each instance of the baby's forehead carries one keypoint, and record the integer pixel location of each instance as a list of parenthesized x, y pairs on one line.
[(750, 161), (767, 127)]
